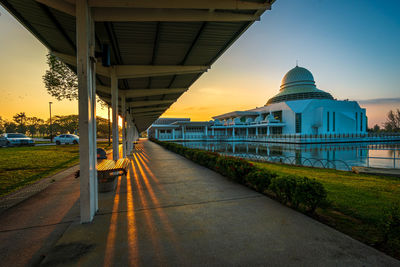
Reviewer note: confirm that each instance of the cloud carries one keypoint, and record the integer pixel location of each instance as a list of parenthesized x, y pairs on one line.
[(380, 101)]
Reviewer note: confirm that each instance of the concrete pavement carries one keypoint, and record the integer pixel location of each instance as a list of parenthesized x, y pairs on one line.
[(37, 219), (170, 211)]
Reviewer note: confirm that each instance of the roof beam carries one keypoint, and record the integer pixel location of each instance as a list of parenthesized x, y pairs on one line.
[(132, 93), (185, 4), (173, 10), (138, 110), (151, 92), (145, 15), (147, 113), (136, 71), (149, 103), (71, 60), (59, 5), (139, 71)]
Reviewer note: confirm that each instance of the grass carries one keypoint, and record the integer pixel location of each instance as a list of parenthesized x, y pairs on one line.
[(357, 202), (20, 166)]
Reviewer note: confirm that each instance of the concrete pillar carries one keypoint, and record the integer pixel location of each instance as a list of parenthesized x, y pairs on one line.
[(256, 130), (156, 133), (267, 130), (114, 104), (226, 131), (212, 131), (183, 132), (123, 114), (86, 95), (173, 134), (247, 132), (206, 130)]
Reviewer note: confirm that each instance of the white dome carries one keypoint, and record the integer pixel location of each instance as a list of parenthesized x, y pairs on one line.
[(297, 76), (298, 84)]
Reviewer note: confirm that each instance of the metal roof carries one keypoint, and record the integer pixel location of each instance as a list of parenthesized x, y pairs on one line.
[(184, 37)]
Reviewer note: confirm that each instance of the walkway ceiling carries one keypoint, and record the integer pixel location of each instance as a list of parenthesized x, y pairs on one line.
[(159, 48)]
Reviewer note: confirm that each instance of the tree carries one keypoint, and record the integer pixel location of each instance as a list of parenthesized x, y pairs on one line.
[(102, 127), (10, 127), (392, 123), (64, 124), (60, 81), (33, 125), (20, 119), (2, 121)]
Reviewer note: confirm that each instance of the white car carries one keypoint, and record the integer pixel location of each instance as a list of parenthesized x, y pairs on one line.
[(15, 139), (66, 139)]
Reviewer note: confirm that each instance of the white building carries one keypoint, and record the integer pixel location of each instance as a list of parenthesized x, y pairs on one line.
[(299, 111)]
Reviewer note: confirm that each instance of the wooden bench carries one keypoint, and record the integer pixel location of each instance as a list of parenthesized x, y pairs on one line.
[(110, 167), (107, 171)]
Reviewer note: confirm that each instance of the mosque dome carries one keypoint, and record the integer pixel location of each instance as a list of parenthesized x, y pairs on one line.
[(297, 84)]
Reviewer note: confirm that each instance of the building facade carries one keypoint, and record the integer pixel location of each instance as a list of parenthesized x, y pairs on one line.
[(299, 111)]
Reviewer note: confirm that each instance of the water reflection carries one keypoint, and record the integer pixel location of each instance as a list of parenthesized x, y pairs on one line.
[(340, 155)]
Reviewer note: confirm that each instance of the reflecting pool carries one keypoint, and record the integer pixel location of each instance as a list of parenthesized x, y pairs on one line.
[(341, 156)]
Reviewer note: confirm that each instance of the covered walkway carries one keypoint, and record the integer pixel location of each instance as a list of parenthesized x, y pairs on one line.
[(171, 211)]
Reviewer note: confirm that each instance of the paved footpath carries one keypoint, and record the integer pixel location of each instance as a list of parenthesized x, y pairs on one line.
[(170, 211), (33, 219)]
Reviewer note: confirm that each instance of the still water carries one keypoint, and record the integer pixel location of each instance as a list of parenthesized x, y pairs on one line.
[(341, 156)]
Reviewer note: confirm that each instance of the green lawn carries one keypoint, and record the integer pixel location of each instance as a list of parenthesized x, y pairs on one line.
[(20, 166), (357, 201)]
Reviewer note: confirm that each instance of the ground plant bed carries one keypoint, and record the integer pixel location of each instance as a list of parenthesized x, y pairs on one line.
[(365, 207)]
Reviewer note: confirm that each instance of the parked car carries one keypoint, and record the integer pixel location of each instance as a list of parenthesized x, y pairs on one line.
[(66, 139), (15, 139)]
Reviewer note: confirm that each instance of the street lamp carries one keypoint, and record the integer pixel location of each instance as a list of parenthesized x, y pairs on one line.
[(51, 130)]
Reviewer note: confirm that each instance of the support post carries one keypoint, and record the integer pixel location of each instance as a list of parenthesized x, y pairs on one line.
[(173, 134), (114, 104), (86, 94), (123, 115)]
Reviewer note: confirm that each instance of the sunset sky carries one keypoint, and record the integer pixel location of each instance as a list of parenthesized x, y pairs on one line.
[(351, 47)]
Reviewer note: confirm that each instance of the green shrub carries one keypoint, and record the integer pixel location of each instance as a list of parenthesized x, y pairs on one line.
[(234, 168), (260, 179), (284, 188), (309, 193)]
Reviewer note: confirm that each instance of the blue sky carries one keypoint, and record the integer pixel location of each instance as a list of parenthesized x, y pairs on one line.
[(351, 47)]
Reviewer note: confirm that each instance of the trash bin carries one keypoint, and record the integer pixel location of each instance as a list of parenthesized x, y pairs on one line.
[(101, 154)]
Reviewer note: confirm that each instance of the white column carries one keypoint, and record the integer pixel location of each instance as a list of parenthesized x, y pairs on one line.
[(93, 86), (212, 131), (156, 131), (123, 114), (268, 130), (114, 103), (233, 131), (173, 134), (86, 91), (206, 130), (247, 131), (226, 131), (183, 132), (256, 130)]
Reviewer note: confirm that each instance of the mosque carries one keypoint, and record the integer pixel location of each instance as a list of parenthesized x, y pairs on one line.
[(300, 109)]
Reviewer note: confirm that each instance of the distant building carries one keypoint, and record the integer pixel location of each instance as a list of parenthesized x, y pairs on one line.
[(300, 109)]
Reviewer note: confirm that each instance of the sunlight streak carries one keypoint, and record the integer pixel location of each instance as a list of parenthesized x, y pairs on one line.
[(109, 253)]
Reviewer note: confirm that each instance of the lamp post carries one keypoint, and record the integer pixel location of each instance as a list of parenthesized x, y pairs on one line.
[(51, 130)]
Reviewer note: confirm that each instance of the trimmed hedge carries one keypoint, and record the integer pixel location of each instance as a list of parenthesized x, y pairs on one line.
[(298, 192)]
